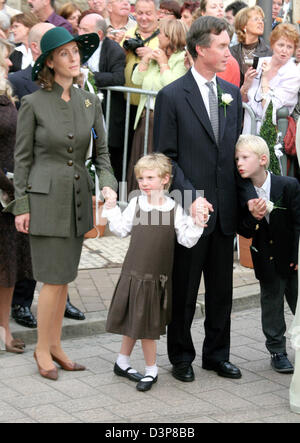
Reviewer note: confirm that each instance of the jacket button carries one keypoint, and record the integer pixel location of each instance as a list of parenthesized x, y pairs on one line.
[(70, 163), (79, 218), (70, 149), (70, 136), (29, 187), (78, 204), (78, 191), (77, 176)]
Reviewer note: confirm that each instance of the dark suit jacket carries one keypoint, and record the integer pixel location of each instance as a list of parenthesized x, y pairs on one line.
[(275, 242), (111, 73), (22, 83), (183, 131)]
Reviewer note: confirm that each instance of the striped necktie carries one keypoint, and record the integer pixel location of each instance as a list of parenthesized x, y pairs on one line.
[(213, 110)]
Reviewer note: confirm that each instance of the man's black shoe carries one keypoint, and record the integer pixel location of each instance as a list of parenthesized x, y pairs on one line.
[(23, 316), (183, 372), (73, 313), (280, 363), (223, 369)]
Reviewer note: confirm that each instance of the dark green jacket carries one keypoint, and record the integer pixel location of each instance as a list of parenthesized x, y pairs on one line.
[(53, 137)]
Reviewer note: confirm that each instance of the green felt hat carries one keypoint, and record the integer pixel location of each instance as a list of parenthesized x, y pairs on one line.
[(56, 37)]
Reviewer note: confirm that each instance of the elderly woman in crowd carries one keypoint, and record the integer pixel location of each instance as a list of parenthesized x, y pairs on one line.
[(53, 190), (249, 27), (71, 12), (276, 79), (15, 261), (21, 24), (156, 69)]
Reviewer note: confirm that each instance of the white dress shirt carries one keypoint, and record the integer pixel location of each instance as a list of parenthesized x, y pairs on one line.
[(93, 61), (265, 191), (121, 223), (204, 90)]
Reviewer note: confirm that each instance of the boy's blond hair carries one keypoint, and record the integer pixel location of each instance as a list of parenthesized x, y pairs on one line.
[(255, 144), (155, 161)]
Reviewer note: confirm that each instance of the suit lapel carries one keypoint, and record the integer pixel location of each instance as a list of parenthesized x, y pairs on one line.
[(195, 100), (276, 189)]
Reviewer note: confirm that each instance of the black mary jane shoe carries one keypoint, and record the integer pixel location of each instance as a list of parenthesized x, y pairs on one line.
[(135, 376), (23, 316), (144, 386)]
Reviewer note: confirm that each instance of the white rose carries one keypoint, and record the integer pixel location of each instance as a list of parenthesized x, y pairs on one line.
[(270, 206), (227, 99)]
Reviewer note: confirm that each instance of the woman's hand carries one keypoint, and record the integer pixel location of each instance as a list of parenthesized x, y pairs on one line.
[(250, 75), (22, 223), (110, 197), (160, 56)]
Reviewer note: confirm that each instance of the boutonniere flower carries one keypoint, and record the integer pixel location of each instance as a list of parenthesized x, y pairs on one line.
[(271, 205), (224, 99)]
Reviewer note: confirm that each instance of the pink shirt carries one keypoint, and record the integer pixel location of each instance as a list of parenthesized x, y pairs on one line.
[(232, 73)]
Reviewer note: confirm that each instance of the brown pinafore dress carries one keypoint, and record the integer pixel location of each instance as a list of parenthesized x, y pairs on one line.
[(141, 305)]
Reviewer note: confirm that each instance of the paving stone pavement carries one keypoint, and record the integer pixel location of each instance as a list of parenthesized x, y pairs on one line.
[(97, 395)]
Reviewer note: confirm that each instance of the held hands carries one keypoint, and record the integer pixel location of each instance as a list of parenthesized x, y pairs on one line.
[(258, 208), (22, 223), (199, 211), (110, 197)]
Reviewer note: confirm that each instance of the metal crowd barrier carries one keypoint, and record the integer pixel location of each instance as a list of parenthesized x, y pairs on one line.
[(149, 94)]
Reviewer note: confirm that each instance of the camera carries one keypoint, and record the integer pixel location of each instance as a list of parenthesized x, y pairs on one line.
[(132, 44)]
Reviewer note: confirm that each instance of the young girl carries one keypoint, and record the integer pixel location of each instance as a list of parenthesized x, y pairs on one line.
[(141, 305)]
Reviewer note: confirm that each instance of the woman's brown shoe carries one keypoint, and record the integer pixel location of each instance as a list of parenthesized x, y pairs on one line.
[(68, 366), (52, 374)]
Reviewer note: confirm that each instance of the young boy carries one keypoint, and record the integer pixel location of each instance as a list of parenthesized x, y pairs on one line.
[(273, 221)]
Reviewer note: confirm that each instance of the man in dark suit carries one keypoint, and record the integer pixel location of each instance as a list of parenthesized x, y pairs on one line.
[(197, 126), (108, 65), (24, 290)]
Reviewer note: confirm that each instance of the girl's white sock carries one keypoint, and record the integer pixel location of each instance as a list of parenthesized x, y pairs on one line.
[(123, 361), (152, 371)]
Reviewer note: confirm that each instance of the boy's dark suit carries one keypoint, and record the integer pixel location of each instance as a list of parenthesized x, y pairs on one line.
[(274, 248)]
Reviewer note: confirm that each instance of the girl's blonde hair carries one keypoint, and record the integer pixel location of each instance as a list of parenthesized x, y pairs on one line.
[(5, 88), (155, 161), (255, 144)]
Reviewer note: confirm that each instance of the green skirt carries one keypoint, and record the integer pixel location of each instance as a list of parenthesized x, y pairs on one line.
[(55, 260)]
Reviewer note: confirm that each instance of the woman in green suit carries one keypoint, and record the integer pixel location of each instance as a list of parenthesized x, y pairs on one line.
[(53, 190)]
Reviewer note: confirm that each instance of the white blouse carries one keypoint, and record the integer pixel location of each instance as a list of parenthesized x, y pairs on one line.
[(283, 91), (121, 223)]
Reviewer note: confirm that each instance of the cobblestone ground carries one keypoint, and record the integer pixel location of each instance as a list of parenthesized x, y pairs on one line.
[(97, 395)]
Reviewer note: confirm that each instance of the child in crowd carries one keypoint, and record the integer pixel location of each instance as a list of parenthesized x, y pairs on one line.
[(273, 221), (141, 305)]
